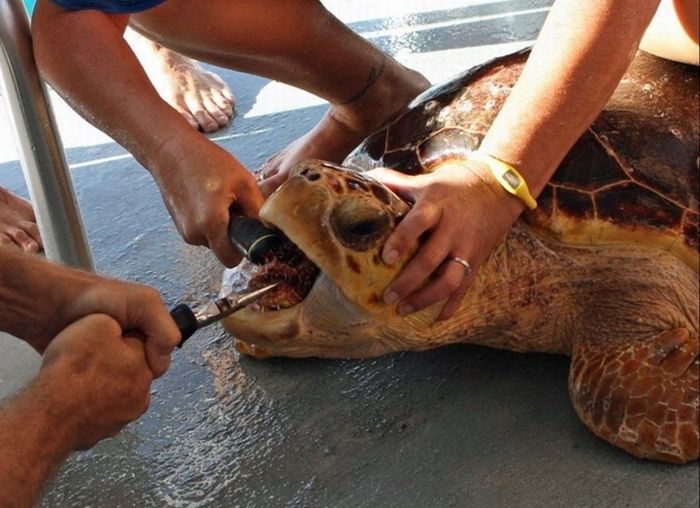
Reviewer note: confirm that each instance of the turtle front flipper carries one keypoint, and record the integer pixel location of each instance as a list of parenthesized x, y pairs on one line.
[(641, 396)]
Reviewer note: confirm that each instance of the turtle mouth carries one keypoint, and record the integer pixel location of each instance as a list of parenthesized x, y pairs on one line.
[(287, 265)]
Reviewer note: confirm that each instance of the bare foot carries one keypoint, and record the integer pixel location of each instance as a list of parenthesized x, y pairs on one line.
[(344, 126), (18, 227), (203, 98)]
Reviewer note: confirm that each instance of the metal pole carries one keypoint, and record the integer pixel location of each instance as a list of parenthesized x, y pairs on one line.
[(39, 147)]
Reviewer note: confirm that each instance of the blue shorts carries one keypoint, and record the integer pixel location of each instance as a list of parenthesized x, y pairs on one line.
[(110, 6), (29, 4)]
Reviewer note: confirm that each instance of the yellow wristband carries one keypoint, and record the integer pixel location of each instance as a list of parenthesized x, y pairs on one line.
[(506, 175)]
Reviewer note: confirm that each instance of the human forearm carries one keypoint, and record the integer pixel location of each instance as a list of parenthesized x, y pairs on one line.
[(39, 298), (36, 435), (83, 55), (34, 293), (199, 180), (581, 54)]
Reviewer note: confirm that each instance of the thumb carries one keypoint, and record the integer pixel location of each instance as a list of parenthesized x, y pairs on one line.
[(249, 200)]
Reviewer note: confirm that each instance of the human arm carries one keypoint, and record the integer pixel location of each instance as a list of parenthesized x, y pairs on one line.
[(39, 299), (91, 383), (581, 54), (103, 80)]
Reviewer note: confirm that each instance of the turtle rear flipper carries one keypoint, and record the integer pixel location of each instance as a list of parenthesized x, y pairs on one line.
[(641, 396)]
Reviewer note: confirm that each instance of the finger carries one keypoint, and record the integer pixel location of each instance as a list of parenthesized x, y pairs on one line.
[(402, 184), (224, 250), (247, 202), (269, 167), (218, 240), (419, 268), (155, 322), (251, 198), (158, 361), (455, 299), (449, 278), (141, 379), (402, 240), (270, 184)]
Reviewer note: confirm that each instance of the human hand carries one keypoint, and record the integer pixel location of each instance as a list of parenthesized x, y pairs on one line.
[(44, 298), (96, 379), (136, 308), (459, 211), (201, 190)]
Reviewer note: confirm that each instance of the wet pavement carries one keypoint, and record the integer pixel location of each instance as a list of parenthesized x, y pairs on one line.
[(458, 426)]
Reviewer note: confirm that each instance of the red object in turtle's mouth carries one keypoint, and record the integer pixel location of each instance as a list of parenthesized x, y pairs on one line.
[(290, 266)]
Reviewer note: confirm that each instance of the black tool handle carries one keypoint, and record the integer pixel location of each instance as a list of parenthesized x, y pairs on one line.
[(185, 320), (252, 238)]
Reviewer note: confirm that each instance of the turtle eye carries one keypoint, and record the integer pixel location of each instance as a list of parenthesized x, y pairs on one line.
[(359, 225)]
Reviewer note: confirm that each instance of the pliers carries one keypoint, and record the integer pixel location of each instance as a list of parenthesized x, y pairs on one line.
[(189, 321)]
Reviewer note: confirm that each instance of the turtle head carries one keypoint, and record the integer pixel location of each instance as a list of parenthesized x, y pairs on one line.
[(339, 219)]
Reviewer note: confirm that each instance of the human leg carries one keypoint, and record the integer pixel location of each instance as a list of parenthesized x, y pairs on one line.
[(673, 32), (18, 226), (200, 96), (299, 43)]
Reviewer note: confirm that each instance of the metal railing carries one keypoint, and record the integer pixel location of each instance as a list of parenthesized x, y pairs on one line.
[(38, 144)]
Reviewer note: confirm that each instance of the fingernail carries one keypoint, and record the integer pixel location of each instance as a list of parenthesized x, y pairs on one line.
[(391, 257), (405, 309), (391, 297)]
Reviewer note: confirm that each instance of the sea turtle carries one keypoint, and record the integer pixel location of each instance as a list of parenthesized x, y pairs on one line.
[(605, 270)]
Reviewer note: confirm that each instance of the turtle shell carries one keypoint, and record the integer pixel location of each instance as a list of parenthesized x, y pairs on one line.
[(632, 177)]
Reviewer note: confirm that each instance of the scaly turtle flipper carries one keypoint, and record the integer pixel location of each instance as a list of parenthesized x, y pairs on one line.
[(641, 396)]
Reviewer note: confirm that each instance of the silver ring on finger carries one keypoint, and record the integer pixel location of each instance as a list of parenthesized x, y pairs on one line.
[(465, 264)]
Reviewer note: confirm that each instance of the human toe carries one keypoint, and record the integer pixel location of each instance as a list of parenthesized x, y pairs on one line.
[(6, 242), (205, 121), (222, 102), (219, 115), (22, 240), (32, 229), (189, 117)]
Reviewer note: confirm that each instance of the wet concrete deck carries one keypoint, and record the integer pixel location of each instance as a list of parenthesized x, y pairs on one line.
[(458, 426)]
